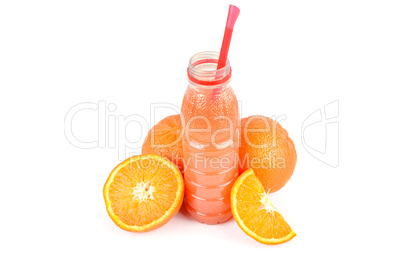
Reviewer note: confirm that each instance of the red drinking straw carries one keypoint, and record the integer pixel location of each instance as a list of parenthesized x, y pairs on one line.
[(234, 12)]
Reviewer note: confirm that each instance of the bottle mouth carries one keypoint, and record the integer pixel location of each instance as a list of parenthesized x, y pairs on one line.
[(202, 69)]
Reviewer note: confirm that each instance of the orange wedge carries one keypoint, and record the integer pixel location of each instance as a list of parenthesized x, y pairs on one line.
[(255, 214), (143, 193)]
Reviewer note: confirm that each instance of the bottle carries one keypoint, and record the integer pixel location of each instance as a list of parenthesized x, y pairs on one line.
[(210, 120)]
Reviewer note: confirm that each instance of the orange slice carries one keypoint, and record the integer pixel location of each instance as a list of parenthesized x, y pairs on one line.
[(255, 214), (143, 193)]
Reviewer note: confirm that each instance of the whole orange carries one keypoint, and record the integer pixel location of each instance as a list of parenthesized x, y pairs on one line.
[(164, 139), (267, 148)]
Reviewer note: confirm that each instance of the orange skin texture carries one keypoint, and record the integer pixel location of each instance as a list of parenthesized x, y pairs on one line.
[(267, 148), (167, 141)]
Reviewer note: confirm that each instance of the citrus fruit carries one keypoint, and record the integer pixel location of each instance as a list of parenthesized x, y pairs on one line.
[(164, 139), (267, 148), (255, 214), (143, 193)]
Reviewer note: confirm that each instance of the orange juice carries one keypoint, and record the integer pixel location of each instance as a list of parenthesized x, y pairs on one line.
[(210, 116)]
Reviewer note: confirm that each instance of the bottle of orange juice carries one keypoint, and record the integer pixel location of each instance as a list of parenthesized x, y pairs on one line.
[(210, 139)]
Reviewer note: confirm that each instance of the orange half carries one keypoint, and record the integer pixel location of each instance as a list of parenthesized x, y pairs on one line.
[(143, 193), (255, 214)]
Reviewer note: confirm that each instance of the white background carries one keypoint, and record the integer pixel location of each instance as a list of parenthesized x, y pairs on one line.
[(288, 58)]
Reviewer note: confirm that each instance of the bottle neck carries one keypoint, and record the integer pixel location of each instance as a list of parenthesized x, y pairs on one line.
[(202, 70)]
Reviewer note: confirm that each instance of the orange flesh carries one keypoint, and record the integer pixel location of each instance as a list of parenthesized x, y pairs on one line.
[(160, 190), (255, 214)]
